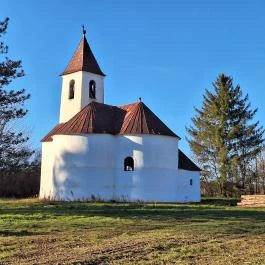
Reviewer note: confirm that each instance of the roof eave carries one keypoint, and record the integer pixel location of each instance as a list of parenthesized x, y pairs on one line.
[(81, 70)]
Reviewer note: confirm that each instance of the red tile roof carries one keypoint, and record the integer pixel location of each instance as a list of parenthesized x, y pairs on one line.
[(83, 60), (55, 130), (96, 117), (140, 119)]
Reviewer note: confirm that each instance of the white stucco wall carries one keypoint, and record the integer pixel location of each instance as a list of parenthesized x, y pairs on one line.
[(87, 77), (187, 192), (47, 161), (70, 107), (156, 163), (78, 167)]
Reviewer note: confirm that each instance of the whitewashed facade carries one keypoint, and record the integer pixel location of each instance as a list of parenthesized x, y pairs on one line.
[(91, 166), (81, 94)]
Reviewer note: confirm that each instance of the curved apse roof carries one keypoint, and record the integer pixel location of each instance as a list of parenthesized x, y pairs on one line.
[(96, 117)]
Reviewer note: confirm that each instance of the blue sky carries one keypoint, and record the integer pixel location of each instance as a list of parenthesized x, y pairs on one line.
[(166, 51)]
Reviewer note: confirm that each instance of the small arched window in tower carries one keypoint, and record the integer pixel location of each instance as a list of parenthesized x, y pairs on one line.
[(92, 89), (128, 164), (71, 94), (191, 182)]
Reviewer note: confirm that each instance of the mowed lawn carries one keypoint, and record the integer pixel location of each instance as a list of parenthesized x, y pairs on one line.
[(213, 232)]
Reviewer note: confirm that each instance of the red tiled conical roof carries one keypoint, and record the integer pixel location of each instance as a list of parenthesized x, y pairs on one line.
[(96, 117), (141, 120), (83, 60)]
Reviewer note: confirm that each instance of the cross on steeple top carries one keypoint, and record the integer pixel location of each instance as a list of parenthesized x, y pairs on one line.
[(83, 59), (84, 31)]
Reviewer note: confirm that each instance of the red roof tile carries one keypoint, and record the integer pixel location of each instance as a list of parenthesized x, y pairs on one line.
[(96, 117), (83, 60), (55, 130), (140, 119)]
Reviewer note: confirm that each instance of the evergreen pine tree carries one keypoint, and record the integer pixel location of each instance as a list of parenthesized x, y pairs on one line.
[(13, 149), (223, 136)]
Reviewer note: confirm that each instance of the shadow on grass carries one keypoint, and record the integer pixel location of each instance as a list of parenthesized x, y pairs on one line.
[(215, 209), (220, 201), (6, 233)]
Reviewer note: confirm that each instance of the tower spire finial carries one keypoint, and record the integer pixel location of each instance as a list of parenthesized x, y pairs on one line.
[(84, 31)]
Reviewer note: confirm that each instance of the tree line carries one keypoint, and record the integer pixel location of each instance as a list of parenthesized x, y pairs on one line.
[(19, 164)]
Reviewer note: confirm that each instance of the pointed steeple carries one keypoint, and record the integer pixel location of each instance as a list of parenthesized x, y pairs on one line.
[(83, 59)]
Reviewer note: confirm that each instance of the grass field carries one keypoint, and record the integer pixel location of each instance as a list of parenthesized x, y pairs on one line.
[(213, 232)]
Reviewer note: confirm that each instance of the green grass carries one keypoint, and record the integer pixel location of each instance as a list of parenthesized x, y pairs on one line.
[(212, 232)]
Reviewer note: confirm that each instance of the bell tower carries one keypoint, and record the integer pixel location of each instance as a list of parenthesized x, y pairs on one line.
[(82, 81)]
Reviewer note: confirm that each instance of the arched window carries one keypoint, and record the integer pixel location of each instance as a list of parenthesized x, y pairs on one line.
[(128, 164), (71, 93), (92, 89), (191, 182)]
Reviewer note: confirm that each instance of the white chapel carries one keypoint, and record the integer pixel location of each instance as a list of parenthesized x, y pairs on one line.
[(104, 152)]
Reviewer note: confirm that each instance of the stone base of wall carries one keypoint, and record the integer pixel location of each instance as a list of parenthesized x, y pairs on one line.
[(252, 201)]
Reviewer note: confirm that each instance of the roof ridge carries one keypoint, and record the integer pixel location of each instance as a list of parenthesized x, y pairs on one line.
[(83, 48), (142, 107), (124, 123), (92, 116), (87, 120)]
